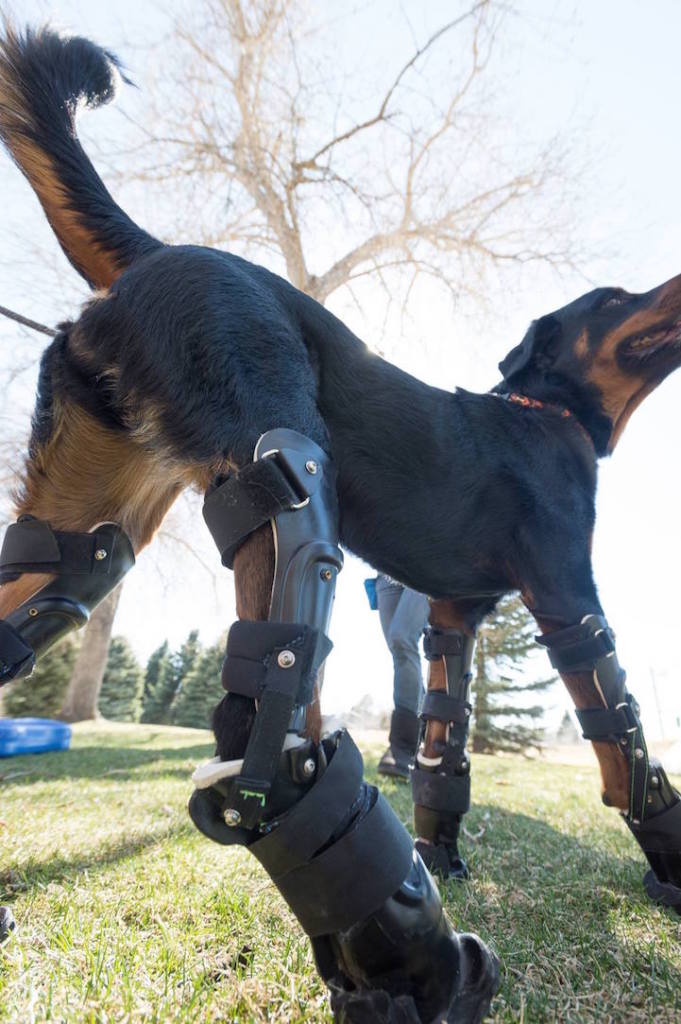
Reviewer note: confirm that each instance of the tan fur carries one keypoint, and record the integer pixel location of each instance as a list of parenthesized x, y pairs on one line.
[(87, 253)]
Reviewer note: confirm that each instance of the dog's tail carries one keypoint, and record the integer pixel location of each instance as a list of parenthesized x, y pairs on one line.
[(43, 78)]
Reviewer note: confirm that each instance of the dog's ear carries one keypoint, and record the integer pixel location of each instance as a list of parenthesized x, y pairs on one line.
[(539, 339)]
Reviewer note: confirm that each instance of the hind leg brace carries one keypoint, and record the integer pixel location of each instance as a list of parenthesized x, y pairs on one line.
[(86, 566), (441, 784), (331, 844), (654, 811)]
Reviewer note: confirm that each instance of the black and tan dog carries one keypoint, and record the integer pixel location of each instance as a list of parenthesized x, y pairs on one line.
[(185, 356)]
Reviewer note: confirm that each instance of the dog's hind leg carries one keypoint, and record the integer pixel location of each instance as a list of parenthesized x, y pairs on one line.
[(332, 845), (441, 779), (581, 647)]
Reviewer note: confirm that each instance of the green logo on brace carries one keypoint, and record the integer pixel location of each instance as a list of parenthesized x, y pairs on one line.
[(256, 796)]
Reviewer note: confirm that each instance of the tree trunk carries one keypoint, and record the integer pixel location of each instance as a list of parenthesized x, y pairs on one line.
[(82, 695)]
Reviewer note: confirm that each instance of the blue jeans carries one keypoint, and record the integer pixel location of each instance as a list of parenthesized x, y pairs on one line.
[(404, 615)]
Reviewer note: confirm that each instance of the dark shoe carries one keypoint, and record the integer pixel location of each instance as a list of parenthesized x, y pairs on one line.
[(405, 728)]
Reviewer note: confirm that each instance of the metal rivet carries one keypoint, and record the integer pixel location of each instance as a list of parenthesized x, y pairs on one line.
[(286, 659), (654, 782), (100, 553), (638, 753), (232, 817), (33, 612), (311, 466), (309, 767), (466, 712), (635, 821), (326, 574)]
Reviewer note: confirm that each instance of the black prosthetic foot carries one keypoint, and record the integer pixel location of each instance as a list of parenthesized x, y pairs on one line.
[(7, 924), (405, 728), (660, 839), (443, 860), (438, 844), (405, 964)]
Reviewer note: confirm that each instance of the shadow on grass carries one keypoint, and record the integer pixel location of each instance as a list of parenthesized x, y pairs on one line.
[(36, 874), (101, 762)]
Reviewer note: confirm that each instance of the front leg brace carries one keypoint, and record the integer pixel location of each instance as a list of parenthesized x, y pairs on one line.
[(654, 812)]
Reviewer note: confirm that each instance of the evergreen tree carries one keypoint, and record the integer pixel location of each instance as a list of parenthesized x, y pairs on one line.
[(200, 690), (159, 685), (42, 693), (121, 695), (500, 720)]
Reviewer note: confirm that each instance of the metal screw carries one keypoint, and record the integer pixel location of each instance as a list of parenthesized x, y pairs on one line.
[(100, 553), (309, 767), (286, 659), (466, 712), (638, 754), (326, 574), (635, 821), (33, 612), (232, 817), (311, 466), (654, 782)]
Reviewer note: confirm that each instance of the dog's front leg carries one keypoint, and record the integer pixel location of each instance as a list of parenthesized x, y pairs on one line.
[(584, 654)]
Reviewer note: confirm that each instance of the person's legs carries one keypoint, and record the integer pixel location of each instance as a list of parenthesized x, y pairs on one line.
[(403, 615)]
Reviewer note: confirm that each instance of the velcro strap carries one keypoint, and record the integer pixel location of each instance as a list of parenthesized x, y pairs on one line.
[(31, 545), (437, 642), (578, 648), (309, 825), (440, 792), (249, 650), (352, 878), (441, 707), (247, 500), (607, 723), (16, 657)]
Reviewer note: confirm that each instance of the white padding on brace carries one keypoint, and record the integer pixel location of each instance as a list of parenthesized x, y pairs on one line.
[(210, 772), (429, 762)]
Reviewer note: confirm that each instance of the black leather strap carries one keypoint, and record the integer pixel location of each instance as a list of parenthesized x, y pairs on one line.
[(31, 545), (248, 499), (451, 793), (441, 707)]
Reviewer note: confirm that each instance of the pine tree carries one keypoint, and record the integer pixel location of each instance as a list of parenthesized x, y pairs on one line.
[(120, 698), (500, 720), (42, 693), (200, 690), (159, 685)]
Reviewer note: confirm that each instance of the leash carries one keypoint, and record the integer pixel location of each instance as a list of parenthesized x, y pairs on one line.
[(33, 324)]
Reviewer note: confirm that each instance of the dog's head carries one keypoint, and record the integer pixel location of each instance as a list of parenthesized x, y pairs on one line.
[(601, 355)]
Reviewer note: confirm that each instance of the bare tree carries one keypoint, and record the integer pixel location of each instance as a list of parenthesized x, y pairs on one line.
[(258, 147)]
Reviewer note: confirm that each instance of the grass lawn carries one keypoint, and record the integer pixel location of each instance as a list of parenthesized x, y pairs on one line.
[(127, 914)]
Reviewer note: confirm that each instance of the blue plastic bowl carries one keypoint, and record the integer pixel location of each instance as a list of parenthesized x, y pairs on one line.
[(32, 736)]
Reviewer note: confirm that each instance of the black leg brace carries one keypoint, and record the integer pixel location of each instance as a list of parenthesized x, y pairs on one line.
[(654, 814), (442, 791), (87, 566), (331, 844)]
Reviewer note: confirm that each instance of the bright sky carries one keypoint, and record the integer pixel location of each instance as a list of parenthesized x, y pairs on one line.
[(613, 69)]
